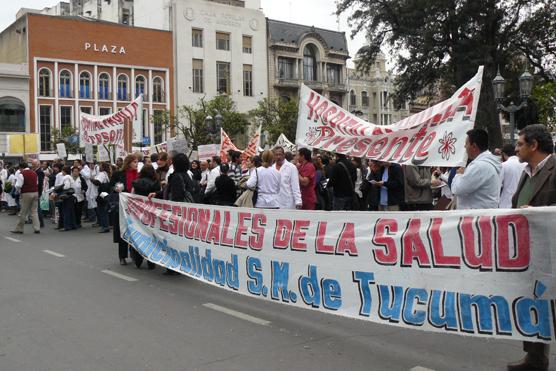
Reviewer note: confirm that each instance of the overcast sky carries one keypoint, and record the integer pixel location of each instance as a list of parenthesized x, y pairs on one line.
[(318, 13)]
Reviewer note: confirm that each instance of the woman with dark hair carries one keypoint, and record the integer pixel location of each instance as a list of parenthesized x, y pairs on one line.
[(146, 183), (122, 182), (180, 185), (196, 170), (226, 193), (361, 175), (163, 165)]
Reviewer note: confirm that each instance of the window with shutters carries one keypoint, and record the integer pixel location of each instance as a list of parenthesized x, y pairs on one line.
[(247, 44), (198, 76), (197, 38), (247, 80), (222, 41)]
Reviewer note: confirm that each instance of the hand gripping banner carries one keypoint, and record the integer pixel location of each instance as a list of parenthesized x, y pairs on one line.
[(487, 275), (434, 137)]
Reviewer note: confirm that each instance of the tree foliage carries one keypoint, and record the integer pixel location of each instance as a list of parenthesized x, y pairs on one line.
[(444, 41), (544, 96), (277, 116), (189, 121), (63, 136)]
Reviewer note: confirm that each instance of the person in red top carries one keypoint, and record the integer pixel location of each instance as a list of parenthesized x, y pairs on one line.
[(28, 186), (307, 179)]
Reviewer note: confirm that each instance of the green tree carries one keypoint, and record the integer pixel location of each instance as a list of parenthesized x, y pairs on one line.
[(544, 96), (444, 41), (277, 116), (189, 121), (63, 136)]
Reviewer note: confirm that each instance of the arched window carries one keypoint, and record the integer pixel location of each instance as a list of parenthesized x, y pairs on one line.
[(12, 115), (104, 86), (140, 86), (44, 83), (352, 98), (309, 63), (123, 87), (365, 99), (158, 90), (65, 84), (85, 85)]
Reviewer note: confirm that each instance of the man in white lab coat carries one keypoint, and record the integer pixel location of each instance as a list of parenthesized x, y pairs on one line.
[(290, 193), (510, 175)]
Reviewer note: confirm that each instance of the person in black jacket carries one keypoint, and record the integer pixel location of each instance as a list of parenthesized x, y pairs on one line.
[(146, 184), (180, 185), (226, 193), (391, 187), (342, 182), (36, 166)]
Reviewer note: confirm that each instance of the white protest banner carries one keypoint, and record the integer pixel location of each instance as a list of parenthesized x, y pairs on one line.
[(137, 125), (285, 143), (207, 151), (61, 149), (489, 274), (162, 147), (89, 157), (434, 137), (252, 148), (104, 154), (146, 151), (110, 129), (226, 145)]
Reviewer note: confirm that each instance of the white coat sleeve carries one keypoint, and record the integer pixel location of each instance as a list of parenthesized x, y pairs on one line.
[(468, 182), (295, 186)]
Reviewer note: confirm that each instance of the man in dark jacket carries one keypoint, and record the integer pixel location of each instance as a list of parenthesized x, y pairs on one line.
[(342, 181), (537, 187), (36, 166), (225, 194), (391, 187)]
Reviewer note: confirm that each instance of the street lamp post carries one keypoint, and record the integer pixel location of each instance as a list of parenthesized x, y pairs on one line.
[(525, 87), (213, 126)]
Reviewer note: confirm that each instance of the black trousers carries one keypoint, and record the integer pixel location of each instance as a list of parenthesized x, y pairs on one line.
[(537, 353), (78, 212)]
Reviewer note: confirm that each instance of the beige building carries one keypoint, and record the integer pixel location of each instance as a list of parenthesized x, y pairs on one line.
[(370, 95), (303, 54)]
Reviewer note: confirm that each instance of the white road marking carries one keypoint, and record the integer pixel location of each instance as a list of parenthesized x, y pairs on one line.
[(58, 255), (240, 315), (120, 276), (419, 368), (12, 239)]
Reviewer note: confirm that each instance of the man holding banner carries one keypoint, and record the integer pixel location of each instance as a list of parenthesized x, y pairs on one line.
[(537, 187)]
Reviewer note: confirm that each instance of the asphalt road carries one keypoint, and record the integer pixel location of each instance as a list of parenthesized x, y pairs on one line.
[(67, 304)]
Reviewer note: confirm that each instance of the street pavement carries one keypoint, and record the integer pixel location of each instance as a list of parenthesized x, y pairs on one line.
[(67, 304)]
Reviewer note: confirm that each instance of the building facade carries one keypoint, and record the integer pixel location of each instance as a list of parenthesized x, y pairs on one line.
[(101, 68), (220, 48), (299, 54), (14, 103), (370, 95)]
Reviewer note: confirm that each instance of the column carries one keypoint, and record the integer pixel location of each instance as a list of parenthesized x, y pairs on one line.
[(114, 90), (76, 124), (56, 109), (94, 87)]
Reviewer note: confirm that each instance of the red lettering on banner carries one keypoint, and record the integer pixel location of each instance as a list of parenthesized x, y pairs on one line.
[(346, 242), (476, 256), (256, 242), (346, 145), (98, 137), (321, 108), (312, 104), (336, 119), (325, 134), (226, 239), (320, 246), (192, 223), (213, 235), (382, 237), (399, 143), (376, 148), (241, 230), (299, 235), (202, 225), (361, 147), (466, 100), (173, 218), (282, 233), (413, 247), (514, 228), (438, 257), (423, 151), (326, 116), (334, 141)]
